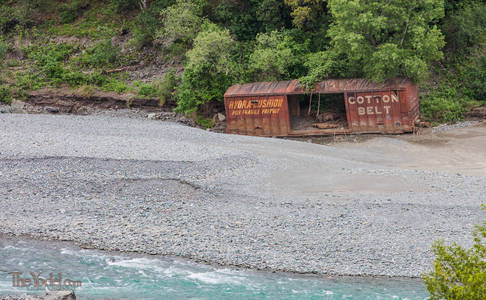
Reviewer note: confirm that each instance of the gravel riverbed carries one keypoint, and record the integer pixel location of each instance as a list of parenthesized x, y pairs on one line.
[(131, 184)]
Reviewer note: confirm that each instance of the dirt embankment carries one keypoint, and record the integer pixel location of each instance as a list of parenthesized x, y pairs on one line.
[(79, 102), (67, 101)]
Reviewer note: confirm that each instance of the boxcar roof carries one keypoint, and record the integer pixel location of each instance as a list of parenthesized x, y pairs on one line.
[(328, 86)]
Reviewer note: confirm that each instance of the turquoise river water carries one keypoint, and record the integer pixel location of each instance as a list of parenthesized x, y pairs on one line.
[(131, 276)]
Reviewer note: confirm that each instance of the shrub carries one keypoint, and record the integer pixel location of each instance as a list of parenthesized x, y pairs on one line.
[(9, 18), (205, 122), (163, 89), (147, 90), (443, 105), (167, 86), (114, 85), (14, 63), (5, 94), (464, 28), (148, 22), (102, 54), (3, 50), (50, 60), (69, 11), (96, 78), (73, 78), (124, 5), (459, 273), (473, 72), (29, 81), (86, 90), (52, 52)]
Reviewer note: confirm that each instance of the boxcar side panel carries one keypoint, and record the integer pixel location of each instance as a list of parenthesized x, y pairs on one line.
[(257, 115), (379, 111)]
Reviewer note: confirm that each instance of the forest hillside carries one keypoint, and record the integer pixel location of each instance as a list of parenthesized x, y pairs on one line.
[(190, 51)]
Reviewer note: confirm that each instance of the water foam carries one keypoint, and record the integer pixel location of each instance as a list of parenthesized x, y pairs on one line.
[(215, 278)]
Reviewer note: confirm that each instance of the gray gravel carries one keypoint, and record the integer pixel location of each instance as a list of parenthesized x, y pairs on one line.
[(447, 127), (130, 184)]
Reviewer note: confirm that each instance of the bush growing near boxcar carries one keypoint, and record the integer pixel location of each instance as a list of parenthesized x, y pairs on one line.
[(459, 273), (439, 107), (205, 122)]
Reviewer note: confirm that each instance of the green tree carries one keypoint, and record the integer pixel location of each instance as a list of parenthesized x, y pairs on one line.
[(380, 38), (473, 73), (242, 17), (464, 28), (148, 22), (277, 56), (209, 70), (325, 64), (181, 23), (305, 13), (3, 50), (459, 273), (272, 14)]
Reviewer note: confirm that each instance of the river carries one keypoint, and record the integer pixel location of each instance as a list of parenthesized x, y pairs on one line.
[(135, 276)]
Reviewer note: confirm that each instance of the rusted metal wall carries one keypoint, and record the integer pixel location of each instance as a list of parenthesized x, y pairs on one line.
[(257, 115), (413, 102), (380, 111)]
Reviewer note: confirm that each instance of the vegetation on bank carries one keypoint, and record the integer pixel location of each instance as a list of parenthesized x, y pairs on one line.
[(86, 44), (459, 273)]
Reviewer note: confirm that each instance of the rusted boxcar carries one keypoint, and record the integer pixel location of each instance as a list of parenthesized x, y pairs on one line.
[(267, 108)]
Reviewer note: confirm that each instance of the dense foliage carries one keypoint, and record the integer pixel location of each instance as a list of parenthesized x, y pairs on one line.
[(209, 70), (459, 273), (439, 43)]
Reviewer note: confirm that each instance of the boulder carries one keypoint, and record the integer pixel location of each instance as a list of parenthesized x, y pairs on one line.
[(52, 109), (60, 295), (18, 107), (478, 112), (221, 117)]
